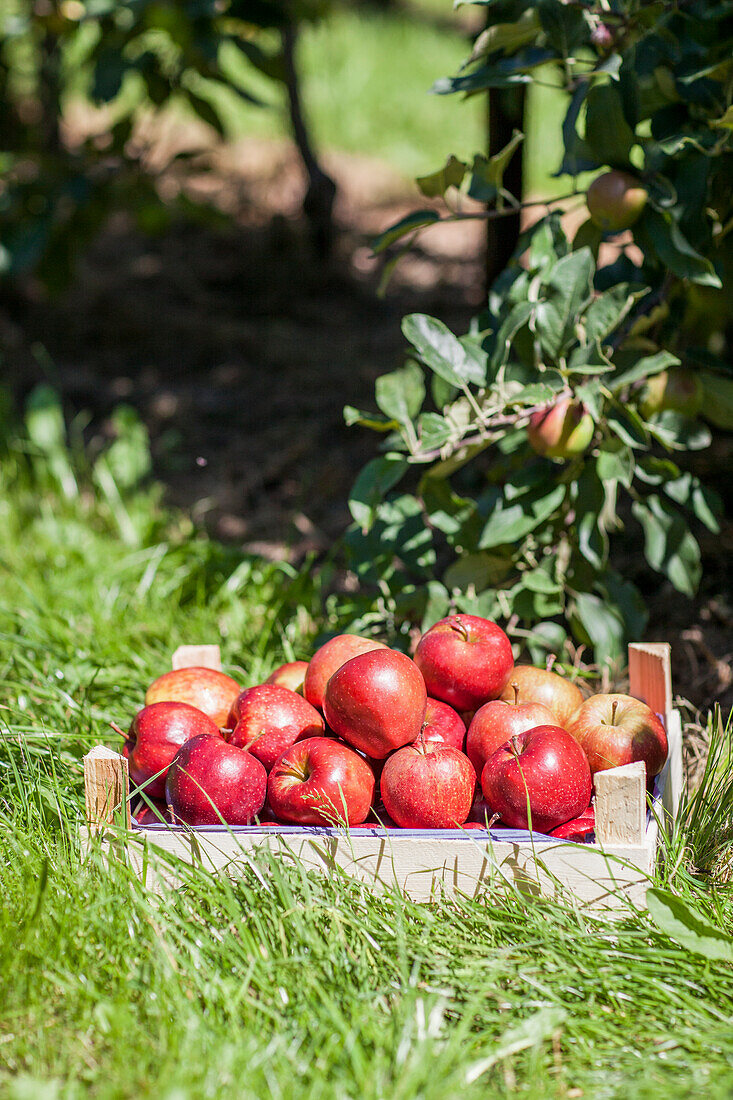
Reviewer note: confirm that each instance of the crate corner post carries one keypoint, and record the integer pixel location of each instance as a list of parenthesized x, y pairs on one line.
[(106, 789), (196, 656)]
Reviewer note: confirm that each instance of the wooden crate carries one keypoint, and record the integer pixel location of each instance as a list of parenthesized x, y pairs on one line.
[(601, 876)]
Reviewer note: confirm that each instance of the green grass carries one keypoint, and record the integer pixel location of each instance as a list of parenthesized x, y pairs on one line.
[(281, 984)]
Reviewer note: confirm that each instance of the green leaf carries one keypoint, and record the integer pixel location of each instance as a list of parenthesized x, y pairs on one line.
[(374, 421), (477, 571), (506, 36), (644, 368), (401, 393), (372, 484), (680, 433), (434, 431), (564, 27), (589, 502), (588, 235), (577, 156), (567, 290), (44, 419), (608, 310), (606, 130), (616, 465), (487, 173), (440, 350), (510, 326), (128, 457), (725, 122), (205, 111), (669, 545), (511, 521), (602, 625), (417, 220), (674, 250), (678, 920), (627, 425), (717, 400), (450, 175), (690, 493)]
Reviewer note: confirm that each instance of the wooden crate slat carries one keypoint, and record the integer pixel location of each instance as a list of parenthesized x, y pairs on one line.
[(106, 788), (621, 805), (650, 675)]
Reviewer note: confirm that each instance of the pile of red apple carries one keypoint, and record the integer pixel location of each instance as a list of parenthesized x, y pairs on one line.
[(458, 737)]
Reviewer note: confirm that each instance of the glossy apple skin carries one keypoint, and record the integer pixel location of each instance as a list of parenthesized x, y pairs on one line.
[(157, 814), (211, 691), (636, 733), (563, 430), (290, 675), (270, 718), (580, 829), (537, 685), (544, 765), (321, 782), (209, 775), (329, 658), (616, 200), (442, 724), (480, 811), (495, 722), (428, 787), (376, 702), (465, 661), (155, 736)]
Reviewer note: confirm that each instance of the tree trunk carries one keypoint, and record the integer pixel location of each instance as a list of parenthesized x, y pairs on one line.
[(506, 113), (321, 192)]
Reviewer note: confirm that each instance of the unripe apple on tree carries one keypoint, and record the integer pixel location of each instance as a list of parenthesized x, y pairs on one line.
[(563, 430), (616, 200), (677, 390)]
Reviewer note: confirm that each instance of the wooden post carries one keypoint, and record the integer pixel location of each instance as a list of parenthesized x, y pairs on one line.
[(650, 676), (621, 805), (197, 656), (107, 788)]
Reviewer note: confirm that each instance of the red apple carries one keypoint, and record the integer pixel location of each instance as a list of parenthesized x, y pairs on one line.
[(155, 736), (321, 782), (376, 702), (155, 814), (580, 829), (211, 691), (562, 430), (544, 767), (290, 676), (269, 719), (428, 786), (496, 722), (442, 724), (480, 811), (465, 660), (330, 657), (537, 685), (210, 779), (617, 729), (616, 200)]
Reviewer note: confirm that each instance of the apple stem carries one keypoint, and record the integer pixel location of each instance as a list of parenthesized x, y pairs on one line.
[(515, 745), (458, 626), (614, 708), (421, 739), (515, 688), (117, 729), (550, 662)]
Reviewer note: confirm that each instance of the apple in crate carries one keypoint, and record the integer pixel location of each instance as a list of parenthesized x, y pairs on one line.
[(154, 814), (210, 780), (579, 829), (465, 661), (542, 772), (320, 781), (290, 675), (206, 688), (428, 786), (617, 729), (443, 724), (497, 721), (376, 702), (155, 736), (268, 719), (329, 658), (527, 684)]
